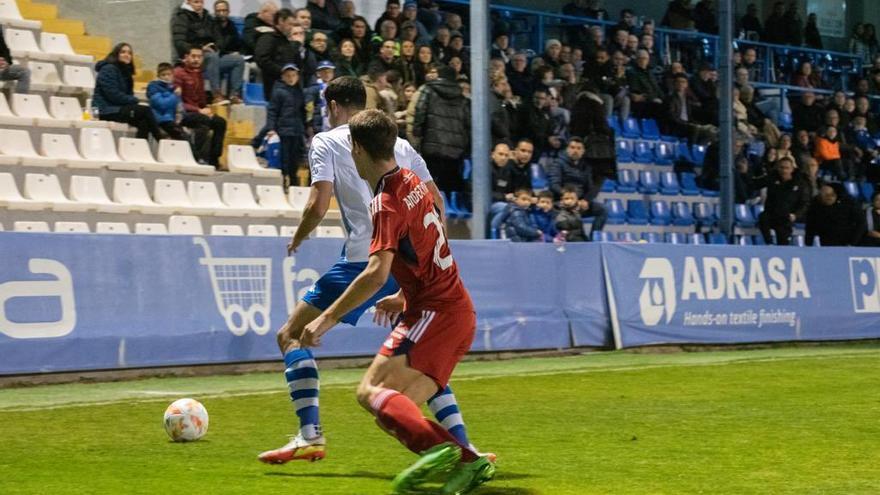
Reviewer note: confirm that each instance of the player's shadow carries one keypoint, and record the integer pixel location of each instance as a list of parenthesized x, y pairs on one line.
[(356, 474), (508, 490)]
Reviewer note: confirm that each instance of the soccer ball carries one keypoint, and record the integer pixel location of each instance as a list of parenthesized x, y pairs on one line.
[(186, 420)]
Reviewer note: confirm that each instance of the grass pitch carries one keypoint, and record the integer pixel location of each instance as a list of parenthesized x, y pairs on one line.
[(780, 421)]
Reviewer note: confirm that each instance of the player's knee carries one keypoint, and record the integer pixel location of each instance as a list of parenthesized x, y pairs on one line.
[(365, 396), (286, 341)]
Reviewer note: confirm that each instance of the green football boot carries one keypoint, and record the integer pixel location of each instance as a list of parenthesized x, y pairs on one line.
[(468, 476), (433, 464)]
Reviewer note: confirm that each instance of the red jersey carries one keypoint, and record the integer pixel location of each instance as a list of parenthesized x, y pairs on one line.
[(405, 221)]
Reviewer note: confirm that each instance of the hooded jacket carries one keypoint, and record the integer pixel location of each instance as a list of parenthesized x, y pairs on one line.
[(189, 28), (442, 120), (520, 226), (564, 171), (163, 100), (113, 88)]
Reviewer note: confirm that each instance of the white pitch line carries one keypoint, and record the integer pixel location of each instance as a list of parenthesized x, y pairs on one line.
[(585, 370)]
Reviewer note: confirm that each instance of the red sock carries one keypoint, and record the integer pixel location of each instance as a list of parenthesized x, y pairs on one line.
[(400, 416)]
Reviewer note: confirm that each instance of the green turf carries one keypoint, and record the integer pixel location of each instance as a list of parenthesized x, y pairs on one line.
[(775, 421)]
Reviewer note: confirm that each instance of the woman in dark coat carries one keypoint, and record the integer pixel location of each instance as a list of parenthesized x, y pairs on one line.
[(589, 123), (114, 93)]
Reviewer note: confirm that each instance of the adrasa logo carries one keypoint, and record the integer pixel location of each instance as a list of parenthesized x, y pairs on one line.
[(737, 278)]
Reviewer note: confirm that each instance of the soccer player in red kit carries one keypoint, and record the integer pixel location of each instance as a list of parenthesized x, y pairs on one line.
[(438, 321)]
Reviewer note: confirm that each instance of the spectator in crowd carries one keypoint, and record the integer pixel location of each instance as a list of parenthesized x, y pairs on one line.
[(164, 100), (705, 20), (871, 41), (442, 124), (618, 41), (404, 97), (319, 46), (522, 163), (324, 13), (808, 115), (424, 60), (835, 218), (805, 77), (360, 35), (569, 218), (501, 47), (274, 50), (827, 153), (114, 93), (455, 24), (751, 23), (192, 25), (552, 51), (346, 62), (456, 48), (392, 13), (757, 118), (572, 171), (535, 122), (682, 111), (857, 44), (812, 37), (286, 118), (430, 75), (385, 61), (704, 85), (406, 63), (502, 184), (440, 43), (10, 71), (198, 116), (521, 227), (544, 215), (500, 118), (258, 23), (644, 92), (307, 60), (304, 19), (872, 222), (411, 15), (387, 32), (750, 63), (787, 200), (679, 15), (314, 97), (519, 76), (775, 28), (229, 61)]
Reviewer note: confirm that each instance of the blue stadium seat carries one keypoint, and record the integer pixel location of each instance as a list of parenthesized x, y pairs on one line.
[(867, 191), (660, 213), (743, 216), (652, 237), (644, 152), (614, 124), (458, 204), (626, 181), (744, 240), (451, 211), (757, 210), (689, 184), (253, 94), (704, 215), (627, 237), (539, 178), (609, 186), (798, 240), (696, 238), (616, 213), (636, 214), (682, 214), (853, 189), (676, 238), (669, 184), (601, 236), (650, 129), (786, 122), (758, 240), (648, 182), (624, 151), (717, 238), (631, 129), (467, 169), (664, 153), (683, 152), (698, 152)]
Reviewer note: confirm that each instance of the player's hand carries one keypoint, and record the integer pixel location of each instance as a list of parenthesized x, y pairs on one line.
[(313, 332), (388, 309), (294, 245)]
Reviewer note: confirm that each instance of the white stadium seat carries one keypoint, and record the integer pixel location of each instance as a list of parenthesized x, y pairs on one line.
[(98, 145), (44, 77), (62, 148), (179, 154), (133, 192), (11, 16), (33, 107), (78, 79), (67, 108), (59, 44), (150, 229), (287, 231), (298, 197), (272, 198), (12, 199), (46, 188), (72, 228), (112, 228), (242, 160), (239, 196), (23, 44), (331, 231), (185, 225), (234, 230), (88, 189), (9, 118), (204, 196), (1, 227), (31, 227), (17, 143), (262, 231), (172, 193), (136, 152)]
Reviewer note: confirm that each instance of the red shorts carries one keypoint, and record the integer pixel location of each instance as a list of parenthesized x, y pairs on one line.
[(433, 341)]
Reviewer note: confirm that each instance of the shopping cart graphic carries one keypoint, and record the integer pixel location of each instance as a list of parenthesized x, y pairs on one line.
[(242, 290)]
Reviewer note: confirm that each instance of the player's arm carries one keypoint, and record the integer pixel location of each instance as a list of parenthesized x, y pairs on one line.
[(316, 208), (438, 200), (369, 282)]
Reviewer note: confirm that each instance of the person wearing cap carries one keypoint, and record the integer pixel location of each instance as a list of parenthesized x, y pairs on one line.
[(274, 50), (411, 14), (456, 49), (315, 96), (286, 118), (501, 46)]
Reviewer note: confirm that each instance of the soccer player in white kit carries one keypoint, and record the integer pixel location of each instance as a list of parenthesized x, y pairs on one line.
[(334, 173)]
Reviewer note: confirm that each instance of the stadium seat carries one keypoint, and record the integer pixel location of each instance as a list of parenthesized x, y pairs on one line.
[(636, 213), (669, 184), (78, 79), (608, 186), (698, 153), (243, 160), (652, 237), (743, 216), (614, 124), (757, 210), (467, 169), (185, 225), (46, 188), (798, 240), (717, 238), (650, 129), (16, 147), (9, 118), (90, 190), (262, 231), (867, 190), (758, 240), (331, 231), (112, 228), (172, 194), (648, 182), (133, 192), (624, 151), (67, 108), (539, 177), (11, 16), (150, 229), (179, 154), (272, 198), (58, 44), (689, 184), (626, 237), (44, 77), (626, 181), (71, 228), (136, 153), (704, 215), (97, 145), (23, 44), (12, 199), (62, 148), (253, 94), (31, 226), (696, 238), (631, 129), (33, 107), (676, 238), (616, 213), (681, 214), (744, 240), (287, 231), (683, 152), (457, 203), (228, 230), (238, 195), (664, 153), (644, 152), (299, 196), (853, 189), (660, 213), (600, 236), (786, 122), (204, 195)]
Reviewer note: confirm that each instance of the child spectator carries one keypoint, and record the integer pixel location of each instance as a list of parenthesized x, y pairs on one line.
[(568, 220), (164, 101), (521, 226), (827, 152), (286, 117), (544, 215)]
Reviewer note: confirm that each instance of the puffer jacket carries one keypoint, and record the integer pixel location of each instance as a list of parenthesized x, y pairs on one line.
[(286, 114), (442, 120), (189, 28), (569, 221), (563, 171), (520, 226), (163, 100), (113, 88)]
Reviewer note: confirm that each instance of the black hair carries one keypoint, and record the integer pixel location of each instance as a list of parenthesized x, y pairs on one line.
[(575, 139), (522, 190), (281, 15), (545, 194), (113, 58), (346, 91), (164, 66), (570, 189)]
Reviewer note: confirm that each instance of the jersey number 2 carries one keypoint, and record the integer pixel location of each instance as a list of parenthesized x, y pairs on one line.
[(444, 262)]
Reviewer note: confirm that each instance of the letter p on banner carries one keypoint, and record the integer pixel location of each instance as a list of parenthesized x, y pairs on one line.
[(865, 284)]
